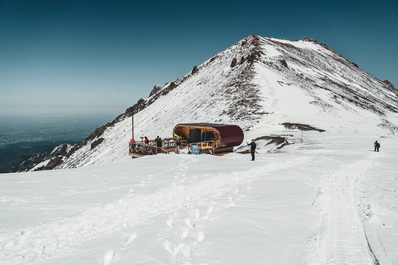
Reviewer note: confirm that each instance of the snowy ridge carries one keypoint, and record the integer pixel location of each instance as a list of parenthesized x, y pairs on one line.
[(257, 81)]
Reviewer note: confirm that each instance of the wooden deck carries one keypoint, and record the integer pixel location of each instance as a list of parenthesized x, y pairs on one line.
[(175, 145), (141, 149)]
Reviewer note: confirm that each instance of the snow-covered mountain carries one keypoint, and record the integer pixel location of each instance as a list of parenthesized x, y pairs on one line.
[(258, 83), (329, 198)]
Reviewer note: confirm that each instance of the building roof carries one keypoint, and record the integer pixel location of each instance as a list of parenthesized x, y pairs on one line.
[(230, 135)]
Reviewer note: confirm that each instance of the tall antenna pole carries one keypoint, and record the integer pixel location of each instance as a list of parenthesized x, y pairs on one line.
[(132, 125)]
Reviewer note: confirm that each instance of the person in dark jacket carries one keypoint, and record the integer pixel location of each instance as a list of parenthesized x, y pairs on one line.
[(159, 142), (252, 148), (146, 140), (377, 146)]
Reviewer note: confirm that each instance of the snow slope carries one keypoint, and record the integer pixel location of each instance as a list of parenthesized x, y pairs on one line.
[(256, 83), (328, 200)]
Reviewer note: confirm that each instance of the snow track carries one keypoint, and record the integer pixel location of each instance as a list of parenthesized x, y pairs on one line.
[(342, 239)]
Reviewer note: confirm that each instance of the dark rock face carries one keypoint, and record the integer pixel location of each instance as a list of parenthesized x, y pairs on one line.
[(56, 161), (234, 62), (389, 84), (244, 97), (97, 142), (195, 70), (155, 90), (284, 63), (242, 60), (301, 127)]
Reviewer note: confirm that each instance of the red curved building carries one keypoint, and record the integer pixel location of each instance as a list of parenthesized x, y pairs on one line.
[(223, 137)]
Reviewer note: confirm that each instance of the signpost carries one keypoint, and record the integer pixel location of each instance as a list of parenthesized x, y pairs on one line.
[(132, 125)]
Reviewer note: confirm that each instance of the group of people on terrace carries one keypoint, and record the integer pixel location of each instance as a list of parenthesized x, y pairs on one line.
[(145, 140)]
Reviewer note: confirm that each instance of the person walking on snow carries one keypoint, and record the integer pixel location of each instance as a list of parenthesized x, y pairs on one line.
[(252, 148), (377, 146)]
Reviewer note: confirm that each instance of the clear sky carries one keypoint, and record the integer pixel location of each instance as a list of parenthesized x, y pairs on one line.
[(105, 55)]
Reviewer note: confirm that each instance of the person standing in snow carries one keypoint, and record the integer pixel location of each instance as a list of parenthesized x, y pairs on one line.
[(146, 141), (377, 146), (132, 145), (252, 148)]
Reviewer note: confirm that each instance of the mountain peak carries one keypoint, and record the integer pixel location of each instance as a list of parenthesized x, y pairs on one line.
[(259, 84)]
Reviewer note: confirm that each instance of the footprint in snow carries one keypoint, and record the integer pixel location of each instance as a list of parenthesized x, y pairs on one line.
[(184, 249), (210, 209), (168, 246), (108, 257), (181, 248), (185, 233), (200, 236), (129, 239), (170, 222), (231, 201), (197, 213), (189, 223)]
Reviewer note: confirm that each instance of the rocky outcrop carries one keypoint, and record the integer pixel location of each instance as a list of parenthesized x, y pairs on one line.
[(54, 162), (389, 84), (51, 154), (301, 127), (155, 90), (97, 142), (195, 70)]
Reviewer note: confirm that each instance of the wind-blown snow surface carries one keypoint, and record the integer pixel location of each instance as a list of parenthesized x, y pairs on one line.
[(328, 200)]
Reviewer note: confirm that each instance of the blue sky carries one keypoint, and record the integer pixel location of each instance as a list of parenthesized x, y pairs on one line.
[(105, 55)]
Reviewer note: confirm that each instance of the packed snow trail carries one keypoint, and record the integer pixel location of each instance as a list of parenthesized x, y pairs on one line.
[(343, 239)]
